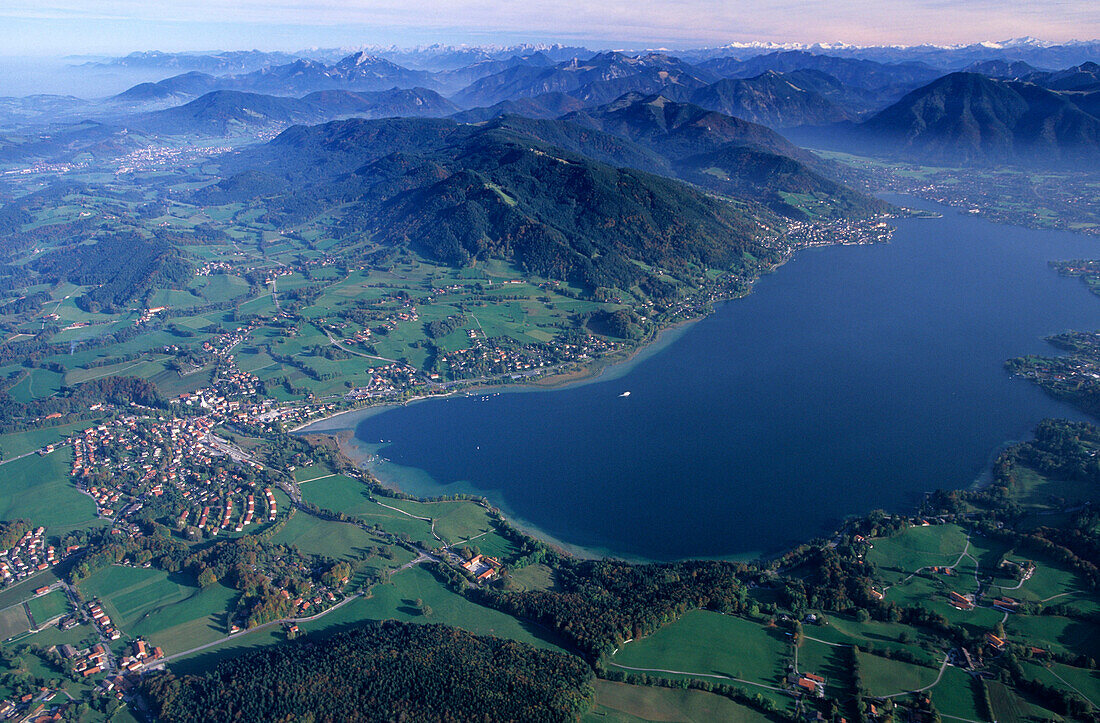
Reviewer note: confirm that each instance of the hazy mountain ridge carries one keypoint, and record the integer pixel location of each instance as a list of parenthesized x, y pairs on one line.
[(771, 99), (727, 155), (222, 111), (970, 118), (601, 78)]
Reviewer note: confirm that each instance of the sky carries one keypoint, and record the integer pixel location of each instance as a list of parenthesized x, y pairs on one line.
[(65, 27)]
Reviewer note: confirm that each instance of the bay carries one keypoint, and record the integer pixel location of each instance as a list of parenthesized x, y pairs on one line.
[(853, 378)]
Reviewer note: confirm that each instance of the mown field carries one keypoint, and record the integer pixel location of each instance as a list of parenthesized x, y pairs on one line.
[(622, 703), (708, 644), (883, 676), (165, 609), (49, 606), (900, 555), (38, 489)]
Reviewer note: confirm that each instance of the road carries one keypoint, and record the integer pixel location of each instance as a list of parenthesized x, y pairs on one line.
[(76, 601), (258, 628), (56, 447), (931, 685)]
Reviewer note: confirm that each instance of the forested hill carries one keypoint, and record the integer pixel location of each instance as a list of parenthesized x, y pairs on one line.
[(463, 194), (728, 155), (969, 118), (383, 672), (681, 129), (563, 215)]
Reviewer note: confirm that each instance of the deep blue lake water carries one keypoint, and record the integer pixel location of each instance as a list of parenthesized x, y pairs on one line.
[(853, 378)]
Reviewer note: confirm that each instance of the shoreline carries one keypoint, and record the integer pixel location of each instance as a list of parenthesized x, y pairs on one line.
[(595, 371), (604, 369), (599, 367)]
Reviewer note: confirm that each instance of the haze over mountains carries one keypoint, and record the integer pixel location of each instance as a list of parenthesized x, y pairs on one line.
[(933, 104), (970, 118)]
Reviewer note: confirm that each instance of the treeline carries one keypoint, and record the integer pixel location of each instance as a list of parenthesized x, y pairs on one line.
[(384, 671), (120, 391), (601, 603)]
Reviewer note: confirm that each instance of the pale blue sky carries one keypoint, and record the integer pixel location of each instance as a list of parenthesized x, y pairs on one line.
[(52, 27)]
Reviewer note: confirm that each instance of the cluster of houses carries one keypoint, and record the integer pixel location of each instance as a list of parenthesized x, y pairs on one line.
[(102, 621), (87, 662), (139, 655), (385, 380), (32, 707), (960, 602), (300, 607), (275, 273), (360, 337), (482, 567), (485, 358), (806, 234), (29, 555), (147, 314), (807, 683), (232, 382), (124, 464), (213, 267), (223, 343)]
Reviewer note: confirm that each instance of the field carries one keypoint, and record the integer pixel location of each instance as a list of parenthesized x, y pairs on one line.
[(350, 496), (1052, 584), (13, 621), (396, 600), (24, 590), (456, 522), (168, 611), (881, 635), (129, 593), (711, 644), (1007, 708), (622, 703), (342, 541), (14, 444), (1037, 491), (917, 547), (195, 620), (392, 600), (533, 577), (38, 489), (882, 676), (1085, 683), (49, 606), (957, 694), (830, 662), (1059, 635)]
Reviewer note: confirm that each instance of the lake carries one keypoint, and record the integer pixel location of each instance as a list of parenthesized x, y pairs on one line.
[(853, 378)]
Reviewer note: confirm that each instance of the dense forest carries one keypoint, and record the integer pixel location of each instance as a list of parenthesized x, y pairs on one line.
[(601, 603), (120, 267), (384, 671)]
